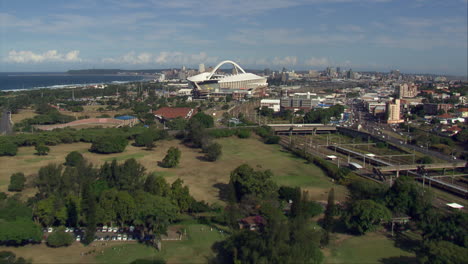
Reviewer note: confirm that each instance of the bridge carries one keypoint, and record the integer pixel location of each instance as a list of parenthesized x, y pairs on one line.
[(460, 164), (286, 129)]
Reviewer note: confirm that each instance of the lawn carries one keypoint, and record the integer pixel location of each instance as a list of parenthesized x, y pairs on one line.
[(195, 249), (205, 179), (370, 248)]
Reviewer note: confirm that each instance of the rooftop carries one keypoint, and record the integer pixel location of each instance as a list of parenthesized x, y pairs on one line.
[(174, 112)]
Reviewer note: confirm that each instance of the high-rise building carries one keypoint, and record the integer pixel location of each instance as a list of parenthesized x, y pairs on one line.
[(393, 112), (350, 74), (201, 68), (407, 90)]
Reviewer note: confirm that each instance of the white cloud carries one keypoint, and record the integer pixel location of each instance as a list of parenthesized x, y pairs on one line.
[(285, 61), (162, 58), (315, 62), (26, 56)]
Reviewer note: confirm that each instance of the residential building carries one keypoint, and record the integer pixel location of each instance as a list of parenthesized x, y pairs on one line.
[(393, 112), (271, 103)]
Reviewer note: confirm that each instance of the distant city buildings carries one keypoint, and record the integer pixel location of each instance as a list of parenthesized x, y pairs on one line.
[(201, 68)]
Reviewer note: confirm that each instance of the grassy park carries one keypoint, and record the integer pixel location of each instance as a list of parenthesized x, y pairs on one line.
[(370, 248), (205, 179)]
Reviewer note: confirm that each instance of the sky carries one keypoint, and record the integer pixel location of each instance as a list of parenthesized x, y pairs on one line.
[(414, 36)]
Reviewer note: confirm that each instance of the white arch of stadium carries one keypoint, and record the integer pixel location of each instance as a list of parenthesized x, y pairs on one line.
[(221, 64)]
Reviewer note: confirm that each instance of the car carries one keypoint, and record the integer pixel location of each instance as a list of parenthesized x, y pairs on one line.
[(114, 238), (107, 238), (96, 238), (125, 237), (50, 229), (119, 237), (78, 238), (67, 230), (132, 228), (104, 229)]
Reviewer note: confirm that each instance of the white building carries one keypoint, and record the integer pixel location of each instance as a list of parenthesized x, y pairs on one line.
[(271, 103)]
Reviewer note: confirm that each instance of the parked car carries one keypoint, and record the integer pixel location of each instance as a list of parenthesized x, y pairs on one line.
[(119, 237), (78, 238), (50, 229), (104, 229)]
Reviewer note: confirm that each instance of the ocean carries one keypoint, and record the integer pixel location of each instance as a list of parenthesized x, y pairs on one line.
[(13, 81)]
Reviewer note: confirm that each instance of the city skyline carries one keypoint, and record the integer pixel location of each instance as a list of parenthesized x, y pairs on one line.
[(413, 36)]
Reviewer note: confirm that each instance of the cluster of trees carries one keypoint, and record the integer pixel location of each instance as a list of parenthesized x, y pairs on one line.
[(82, 195), (280, 238), (109, 144), (9, 144), (324, 115), (17, 226), (147, 138), (46, 115)]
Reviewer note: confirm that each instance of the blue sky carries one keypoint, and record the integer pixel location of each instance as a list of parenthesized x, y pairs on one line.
[(418, 36)]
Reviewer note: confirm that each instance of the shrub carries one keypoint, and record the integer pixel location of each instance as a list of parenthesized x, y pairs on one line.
[(73, 158), (8, 148), (213, 151), (243, 133), (42, 149), (424, 160), (17, 181), (220, 133), (172, 158), (60, 238), (272, 140), (109, 144)]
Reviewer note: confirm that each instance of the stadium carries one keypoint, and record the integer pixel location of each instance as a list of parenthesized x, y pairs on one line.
[(217, 84)]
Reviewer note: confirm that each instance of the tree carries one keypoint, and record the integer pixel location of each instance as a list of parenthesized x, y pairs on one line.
[(154, 213), (17, 181), (19, 231), (205, 120), (365, 215), (73, 158), (109, 144), (438, 252), (178, 123), (406, 197), (145, 139), (248, 181), (212, 151), (425, 160), (181, 196), (7, 257), (49, 179), (42, 149), (59, 238), (328, 220), (157, 185), (172, 158), (8, 148), (90, 213)]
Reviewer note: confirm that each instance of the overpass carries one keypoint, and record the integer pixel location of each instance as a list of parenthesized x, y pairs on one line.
[(301, 128), (448, 165)]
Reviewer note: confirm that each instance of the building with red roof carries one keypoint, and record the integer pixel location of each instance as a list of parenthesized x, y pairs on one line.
[(168, 113)]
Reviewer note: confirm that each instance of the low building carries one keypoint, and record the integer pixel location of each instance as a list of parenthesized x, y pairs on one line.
[(271, 103), (252, 223), (168, 113), (463, 112), (433, 109)]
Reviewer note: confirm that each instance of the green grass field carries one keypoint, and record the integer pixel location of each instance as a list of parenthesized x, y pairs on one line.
[(195, 249), (205, 179), (370, 248)]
